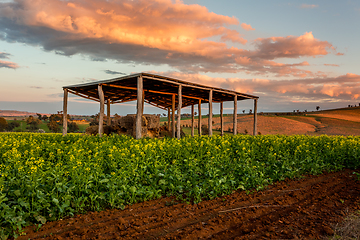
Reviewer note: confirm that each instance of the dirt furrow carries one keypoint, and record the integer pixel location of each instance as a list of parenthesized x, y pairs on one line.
[(304, 208)]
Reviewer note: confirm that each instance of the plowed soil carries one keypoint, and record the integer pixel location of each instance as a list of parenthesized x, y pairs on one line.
[(305, 208)]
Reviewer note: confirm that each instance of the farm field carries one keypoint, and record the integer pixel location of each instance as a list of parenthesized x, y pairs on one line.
[(305, 208), (344, 122), (47, 177)]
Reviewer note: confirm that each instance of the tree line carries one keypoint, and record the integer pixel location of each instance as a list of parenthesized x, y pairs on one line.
[(53, 122)]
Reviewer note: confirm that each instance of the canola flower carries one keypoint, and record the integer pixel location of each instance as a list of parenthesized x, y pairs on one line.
[(47, 176)]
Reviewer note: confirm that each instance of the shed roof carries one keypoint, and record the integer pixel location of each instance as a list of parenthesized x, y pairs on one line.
[(158, 91)]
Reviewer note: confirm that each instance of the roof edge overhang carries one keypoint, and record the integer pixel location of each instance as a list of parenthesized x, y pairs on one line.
[(163, 78)]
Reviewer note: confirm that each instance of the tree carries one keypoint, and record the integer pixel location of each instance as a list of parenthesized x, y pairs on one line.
[(317, 108), (55, 117), (39, 116), (12, 125), (33, 123), (72, 127), (44, 117), (53, 126), (3, 124)]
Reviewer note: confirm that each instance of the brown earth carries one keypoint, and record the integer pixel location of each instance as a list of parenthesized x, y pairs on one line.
[(266, 125), (305, 208), (350, 114)]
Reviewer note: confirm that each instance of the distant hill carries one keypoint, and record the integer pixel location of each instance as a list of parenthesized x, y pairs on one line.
[(350, 114), (14, 113)]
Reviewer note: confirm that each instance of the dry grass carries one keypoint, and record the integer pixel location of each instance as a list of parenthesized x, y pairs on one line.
[(349, 114), (348, 229)]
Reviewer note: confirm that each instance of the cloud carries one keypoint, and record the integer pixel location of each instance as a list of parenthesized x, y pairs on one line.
[(292, 47), (7, 64), (247, 27), (309, 6), (114, 72), (342, 88), (36, 87), (4, 55), (331, 65), (153, 32)]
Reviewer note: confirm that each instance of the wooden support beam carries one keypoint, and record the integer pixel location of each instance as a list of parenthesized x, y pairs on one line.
[(222, 118), (154, 104), (101, 113), (235, 115), (179, 112), (150, 91), (255, 116), (83, 95), (169, 118), (173, 115), (108, 112), (192, 121), (65, 111), (199, 120), (139, 110), (210, 112)]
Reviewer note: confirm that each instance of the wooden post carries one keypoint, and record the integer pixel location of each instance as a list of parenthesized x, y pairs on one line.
[(139, 108), (222, 118), (179, 111), (169, 116), (235, 115), (108, 112), (101, 113), (65, 111), (173, 115), (210, 113), (199, 124), (192, 121), (255, 116)]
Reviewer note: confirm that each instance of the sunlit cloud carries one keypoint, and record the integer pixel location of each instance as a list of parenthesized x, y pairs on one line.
[(247, 27), (309, 6), (341, 88), (154, 32), (331, 65), (292, 47), (7, 64)]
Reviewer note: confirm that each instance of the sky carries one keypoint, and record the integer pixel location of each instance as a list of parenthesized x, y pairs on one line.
[(294, 55)]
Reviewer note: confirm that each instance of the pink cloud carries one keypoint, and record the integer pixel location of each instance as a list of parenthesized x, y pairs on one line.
[(331, 65), (7, 64), (159, 24), (233, 36), (247, 27), (309, 6), (153, 32), (341, 88), (292, 47)]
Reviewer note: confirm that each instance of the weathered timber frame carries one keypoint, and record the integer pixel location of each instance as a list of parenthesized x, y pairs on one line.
[(163, 92)]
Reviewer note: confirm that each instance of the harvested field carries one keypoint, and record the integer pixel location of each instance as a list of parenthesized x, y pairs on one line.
[(306, 208), (349, 114), (266, 125)]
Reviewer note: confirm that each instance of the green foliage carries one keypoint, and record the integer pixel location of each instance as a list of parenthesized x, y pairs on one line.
[(3, 124), (45, 177), (54, 126), (72, 127), (12, 125), (33, 123)]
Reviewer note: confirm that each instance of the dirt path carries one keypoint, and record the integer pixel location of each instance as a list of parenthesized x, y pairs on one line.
[(293, 209)]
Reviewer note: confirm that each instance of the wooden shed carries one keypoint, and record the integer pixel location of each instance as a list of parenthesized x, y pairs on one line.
[(160, 91)]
